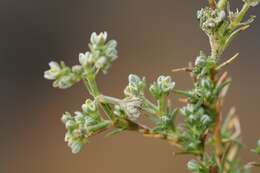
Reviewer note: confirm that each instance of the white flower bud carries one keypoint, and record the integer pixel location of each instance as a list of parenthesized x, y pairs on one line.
[(67, 137), (78, 117), (205, 119), (64, 82), (98, 39), (65, 117), (165, 83), (53, 72), (101, 62), (77, 69), (76, 147), (193, 165), (85, 59), (112, 44), (70, 124), (89, 106)]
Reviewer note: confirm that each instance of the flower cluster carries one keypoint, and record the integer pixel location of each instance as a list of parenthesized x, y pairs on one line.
[(82, 125), (198, 114), (135, 87), (63, 76), (210, 19), (203, 65), (102, 53), (162, 87)]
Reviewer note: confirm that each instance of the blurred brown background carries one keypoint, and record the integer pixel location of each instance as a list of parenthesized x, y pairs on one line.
[(154, 37)]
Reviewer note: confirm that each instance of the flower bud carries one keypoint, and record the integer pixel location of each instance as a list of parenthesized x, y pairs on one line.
[(155, 90), (79, 117), (76, 147), (101, 63), (77, 69), (65, 81), (65, 117), (166, 84), (86, 59), (53, 72), (70, 124), (89, 106), (193, 165), (135, 87), (205, 119), (98, 39)]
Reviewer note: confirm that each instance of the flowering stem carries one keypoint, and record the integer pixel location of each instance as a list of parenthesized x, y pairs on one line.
[(149, 106), (183, 93), (91, 85), (161, 104), (103, 125)]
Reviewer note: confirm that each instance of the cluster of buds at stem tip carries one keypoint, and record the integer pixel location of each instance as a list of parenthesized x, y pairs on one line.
[(82, 125), (222, 25), (100, 57), (162, 87), (101, 54), (210, 19), (135, 87), (63, 76)]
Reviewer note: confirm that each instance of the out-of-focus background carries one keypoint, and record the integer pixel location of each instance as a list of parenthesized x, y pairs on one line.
[(154, 37)]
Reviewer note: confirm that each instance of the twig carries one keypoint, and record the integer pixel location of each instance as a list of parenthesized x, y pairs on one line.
[(185, 69), (227, 62)]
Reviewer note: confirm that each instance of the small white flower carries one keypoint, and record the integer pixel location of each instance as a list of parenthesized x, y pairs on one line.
[(54, 66), (64, 82), (101, 62), (166, 84), (200, 60), (76, 147), (97, 39), (53, 72), (85, 59), (77, 69)]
